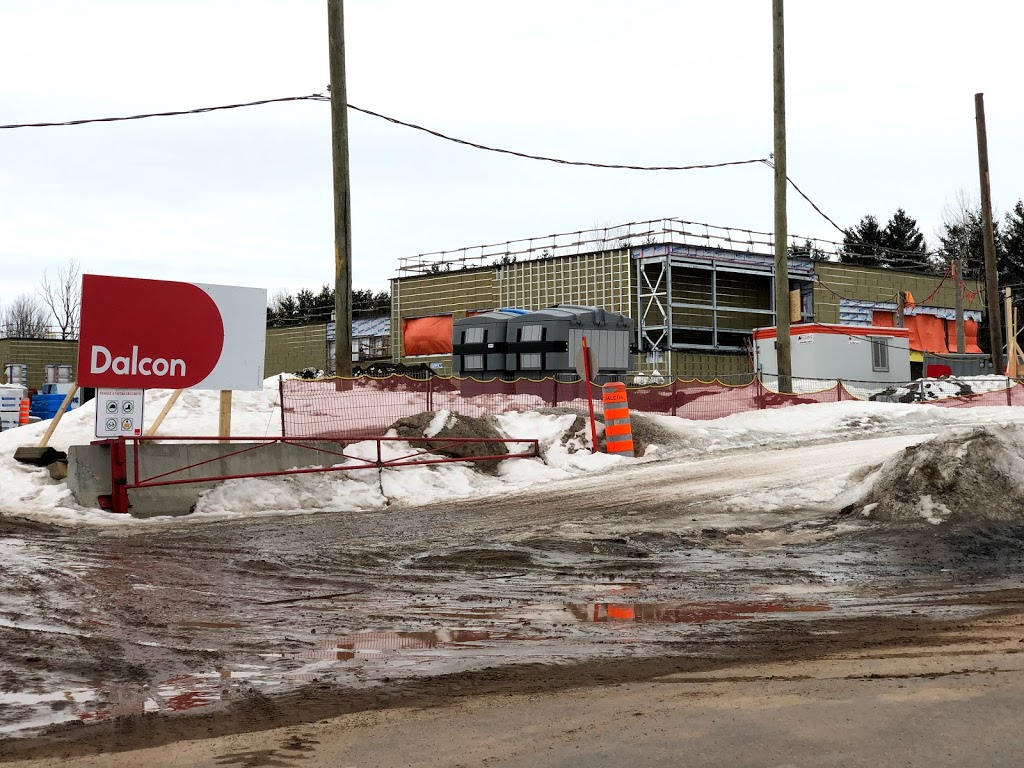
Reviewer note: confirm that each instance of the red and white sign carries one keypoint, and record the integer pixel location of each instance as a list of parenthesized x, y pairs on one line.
[(156, 334)]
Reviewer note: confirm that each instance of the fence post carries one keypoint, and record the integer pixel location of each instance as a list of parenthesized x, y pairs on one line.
[(675, 390), (119, 476), (554, 391), (760, 392), (430, 394), (1009, 384), (839, 389), (280, 399)]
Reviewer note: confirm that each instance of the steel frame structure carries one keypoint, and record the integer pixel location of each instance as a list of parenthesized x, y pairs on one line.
[(118, 501), (657, 270)]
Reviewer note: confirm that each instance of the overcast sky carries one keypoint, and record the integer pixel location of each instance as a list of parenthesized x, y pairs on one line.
[(880, 115)]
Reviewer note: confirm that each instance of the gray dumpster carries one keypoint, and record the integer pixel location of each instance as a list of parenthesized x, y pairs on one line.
[(546, 342), (962, 364), (478, 344)]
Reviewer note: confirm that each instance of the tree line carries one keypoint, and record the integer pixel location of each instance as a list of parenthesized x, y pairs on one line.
[(900, 244), (306, 307)]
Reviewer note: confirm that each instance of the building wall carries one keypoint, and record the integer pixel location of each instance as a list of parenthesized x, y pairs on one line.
[(874, 284), (37, 354), (443, 293), (705, 365), (292, 349), (601, 280)]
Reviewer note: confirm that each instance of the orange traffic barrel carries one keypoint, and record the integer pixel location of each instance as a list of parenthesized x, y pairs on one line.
[(617, 431), (23, 411)]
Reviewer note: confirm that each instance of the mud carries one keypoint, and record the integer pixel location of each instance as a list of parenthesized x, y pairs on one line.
[(456, 425), (121, 638)]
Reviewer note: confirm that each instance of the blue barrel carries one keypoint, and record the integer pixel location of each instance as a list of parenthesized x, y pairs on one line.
[(45, 406)]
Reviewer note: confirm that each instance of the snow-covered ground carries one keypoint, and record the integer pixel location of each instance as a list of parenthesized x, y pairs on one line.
[(29, 492)]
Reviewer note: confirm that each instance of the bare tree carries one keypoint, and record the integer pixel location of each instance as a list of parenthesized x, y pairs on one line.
[(63, 295), (25, 318)]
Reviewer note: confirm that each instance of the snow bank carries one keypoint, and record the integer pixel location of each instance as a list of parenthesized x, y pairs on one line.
[(962, 476), (564, 446)]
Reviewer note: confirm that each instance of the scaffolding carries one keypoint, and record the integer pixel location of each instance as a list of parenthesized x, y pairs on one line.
[(689, 287)]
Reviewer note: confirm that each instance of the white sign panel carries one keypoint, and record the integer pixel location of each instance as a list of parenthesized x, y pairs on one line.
[(119, 412)]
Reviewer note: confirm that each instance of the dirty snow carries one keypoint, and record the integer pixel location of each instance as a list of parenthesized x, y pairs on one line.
[(962, 476), (565, 456)]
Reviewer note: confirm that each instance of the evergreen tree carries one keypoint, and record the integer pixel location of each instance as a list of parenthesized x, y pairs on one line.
[(902, 236), (1011, 267), (864, 244), (306, 307)]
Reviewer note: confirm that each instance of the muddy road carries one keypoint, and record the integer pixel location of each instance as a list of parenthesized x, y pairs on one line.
[(150, 633)]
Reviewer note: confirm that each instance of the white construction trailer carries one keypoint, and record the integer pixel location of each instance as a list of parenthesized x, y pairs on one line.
[(848, 352)]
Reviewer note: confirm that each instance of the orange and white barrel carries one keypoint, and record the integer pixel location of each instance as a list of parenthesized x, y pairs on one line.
[(618, 433), (23, 411)]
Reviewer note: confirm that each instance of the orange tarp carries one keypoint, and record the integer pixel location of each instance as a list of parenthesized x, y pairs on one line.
[(970, 336), (929, 333), (427, 335)]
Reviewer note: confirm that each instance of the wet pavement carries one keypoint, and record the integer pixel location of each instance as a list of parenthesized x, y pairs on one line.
[(97, 625), (100, 626)]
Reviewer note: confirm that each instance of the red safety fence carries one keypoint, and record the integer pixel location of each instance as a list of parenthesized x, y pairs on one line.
[(366, 407), (1013, 395)]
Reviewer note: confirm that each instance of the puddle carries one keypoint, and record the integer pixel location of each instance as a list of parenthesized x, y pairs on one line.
[(371, 644), (175, 694), (687, 613)]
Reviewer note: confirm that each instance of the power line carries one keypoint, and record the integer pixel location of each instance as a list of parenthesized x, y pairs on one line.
[(560, 161), (912, 258), (396, 121), (197, 111)]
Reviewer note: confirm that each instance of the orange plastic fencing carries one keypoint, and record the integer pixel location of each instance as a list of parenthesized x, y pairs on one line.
[(366, 407)]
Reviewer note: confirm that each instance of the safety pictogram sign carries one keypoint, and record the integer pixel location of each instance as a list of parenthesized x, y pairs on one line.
[(119, 412)]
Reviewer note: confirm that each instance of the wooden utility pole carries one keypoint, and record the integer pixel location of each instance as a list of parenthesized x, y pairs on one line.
[(342, 198), (901, 308), (958, 296), (995, 326), (782, 341)]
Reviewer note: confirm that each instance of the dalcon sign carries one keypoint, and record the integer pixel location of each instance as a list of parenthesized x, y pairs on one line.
[(148, 334)]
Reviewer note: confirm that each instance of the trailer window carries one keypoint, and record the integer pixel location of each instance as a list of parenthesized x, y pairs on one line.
[(879, 353)]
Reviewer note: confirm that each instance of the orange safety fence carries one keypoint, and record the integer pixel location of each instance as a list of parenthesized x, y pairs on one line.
[(366, 407)]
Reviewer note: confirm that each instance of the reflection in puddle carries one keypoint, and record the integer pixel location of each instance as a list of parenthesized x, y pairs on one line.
[(369, 644), (686, 613), (498, 630), (176, 694)]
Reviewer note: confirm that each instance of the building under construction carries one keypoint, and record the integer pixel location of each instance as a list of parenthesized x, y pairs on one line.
[(694, 292)]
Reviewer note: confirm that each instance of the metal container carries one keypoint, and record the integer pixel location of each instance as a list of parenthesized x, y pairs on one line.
[(478, 343), (546, 342), (961, 364)]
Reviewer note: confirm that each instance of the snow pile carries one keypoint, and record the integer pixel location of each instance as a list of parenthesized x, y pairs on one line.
[(563, 435), (962, 476), (414, 485)]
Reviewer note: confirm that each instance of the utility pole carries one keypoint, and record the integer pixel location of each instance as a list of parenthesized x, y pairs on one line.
[(901, 308), (782, 341), (342, 198), (958, 295), (995, 326)]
